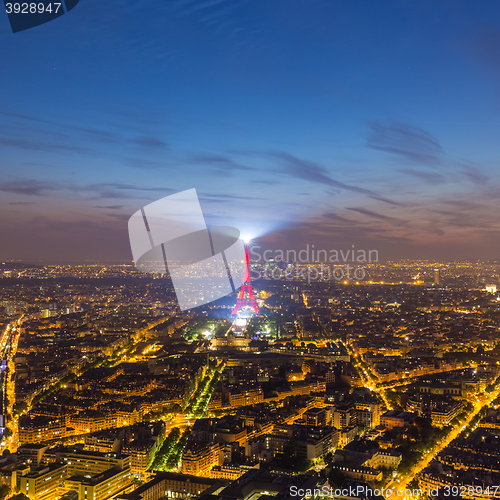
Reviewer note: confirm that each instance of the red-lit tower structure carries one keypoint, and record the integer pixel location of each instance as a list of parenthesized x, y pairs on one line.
[(246, 298)]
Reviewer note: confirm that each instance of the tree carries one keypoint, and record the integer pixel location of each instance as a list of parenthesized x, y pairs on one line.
[(336, 478), (19, 408), (5, 492)]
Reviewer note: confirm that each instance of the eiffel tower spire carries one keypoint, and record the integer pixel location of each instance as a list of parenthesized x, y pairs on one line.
[(246, 299)]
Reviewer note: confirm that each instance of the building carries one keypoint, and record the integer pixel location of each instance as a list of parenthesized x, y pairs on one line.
[(311, 442), (315, 416), (199, 458), (442, 413), (141, 453), (31, 453), (257, 484), (171, 484), (437, 277), (365, 466), (393, 418), (347, 435), (360, 472), (43, 483), (89, 462), (365, 419), (344, 416), (368, 414), (104, 443), (385, 459), (229, 472), (40, 428), (105, 485), (245, 397)]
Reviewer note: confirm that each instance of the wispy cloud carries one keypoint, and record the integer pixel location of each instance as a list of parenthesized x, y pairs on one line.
[(188, 7), (114, 190), (388, 201), (151, 142), (475, 176), (32, 145), (30, 187), (124, 217), (105, 190), (313, 172), (218, 161), (464, 204), (391, 220), (226, 198), (406, 141), (428, 177), (335, 217), (97, 134)]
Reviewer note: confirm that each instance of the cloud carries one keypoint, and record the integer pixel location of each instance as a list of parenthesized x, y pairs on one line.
[(23, 203), (468, 215), (29, 187), (190, 7), (225, 198), (464, 205), (40, 146), (116, 190), (309, 171), (124, 217), (473, 175), (144, 163), (111, 207), (151, 142), (132, 187), (391, 220), (428, 177), (32, 187), (435, 230), (220, 162), (407, 141), (12, 114), (96, 134), (388, 201), (187, 7), (338, 218), (30, 133)]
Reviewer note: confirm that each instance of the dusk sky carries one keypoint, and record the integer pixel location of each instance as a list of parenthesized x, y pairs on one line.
[(329, 122)]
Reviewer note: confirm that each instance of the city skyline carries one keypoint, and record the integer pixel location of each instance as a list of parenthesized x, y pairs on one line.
[(249, 250), (305, 123)]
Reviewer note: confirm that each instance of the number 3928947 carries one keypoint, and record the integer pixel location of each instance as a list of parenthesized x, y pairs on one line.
[(32, 8)]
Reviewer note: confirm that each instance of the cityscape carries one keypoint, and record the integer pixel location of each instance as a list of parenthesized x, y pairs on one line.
[(313, 387), (250, 250)]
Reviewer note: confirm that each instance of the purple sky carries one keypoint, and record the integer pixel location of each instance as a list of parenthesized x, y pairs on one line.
[(322, 122)]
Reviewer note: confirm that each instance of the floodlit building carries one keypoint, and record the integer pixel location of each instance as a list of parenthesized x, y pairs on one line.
[(43, 483)]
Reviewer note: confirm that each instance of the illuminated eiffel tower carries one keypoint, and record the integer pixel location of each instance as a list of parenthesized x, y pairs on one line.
[(246, 299)]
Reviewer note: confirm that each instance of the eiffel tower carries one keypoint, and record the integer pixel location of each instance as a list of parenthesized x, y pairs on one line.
[(246, 299)]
